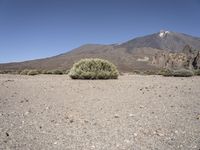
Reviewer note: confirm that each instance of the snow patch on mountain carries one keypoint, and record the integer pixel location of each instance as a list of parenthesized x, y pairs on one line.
[(163, 33)]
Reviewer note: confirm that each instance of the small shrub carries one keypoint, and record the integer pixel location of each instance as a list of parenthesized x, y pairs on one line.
[(66, 72), (49, 72), (44, 72), (93, 69), (24, 72), (137, 72), (197, 72), (58, 72), (33, 72), (3, 72), (183, 73), (151, 72), (166, 72)]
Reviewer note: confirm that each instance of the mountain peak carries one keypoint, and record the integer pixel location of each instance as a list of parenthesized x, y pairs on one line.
[(163, 33)]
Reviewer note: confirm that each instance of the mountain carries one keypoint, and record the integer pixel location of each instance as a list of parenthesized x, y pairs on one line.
[(164, 40), (136, 54)]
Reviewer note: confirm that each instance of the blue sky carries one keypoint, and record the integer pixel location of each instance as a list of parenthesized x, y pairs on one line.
[(31, 29)]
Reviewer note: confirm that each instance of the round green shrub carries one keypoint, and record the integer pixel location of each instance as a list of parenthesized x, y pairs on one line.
[(183, 73), (33, 72), (93, 69)]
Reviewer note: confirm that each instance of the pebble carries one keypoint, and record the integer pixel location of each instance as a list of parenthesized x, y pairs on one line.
[(71, 121), (158, 132), (141, 106), (176, 131), (198, 117), (135, 134), (126, 141), (26, 113), (116, 116), (55, 143), (131, 115), (93, 147), (7, 134)]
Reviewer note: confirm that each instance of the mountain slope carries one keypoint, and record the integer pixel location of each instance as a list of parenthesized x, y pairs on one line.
[(165, 40), (136, 54)]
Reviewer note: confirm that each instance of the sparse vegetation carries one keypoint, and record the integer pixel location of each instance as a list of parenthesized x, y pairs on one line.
[(44, 72), (166, 72), (197, 72), (176, 73), (33, 72), (24, 72), (56, 71), (66, 71), (183, 73), (150, 72), (94, 69)]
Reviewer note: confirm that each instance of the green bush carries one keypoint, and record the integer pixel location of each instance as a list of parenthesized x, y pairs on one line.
[(56, 71), (67, 72), (33, 72), (151, 72), (59, 72), (93, 69), (24, 72), (197, 72), (166, 72), (44, 72), (183, 73)]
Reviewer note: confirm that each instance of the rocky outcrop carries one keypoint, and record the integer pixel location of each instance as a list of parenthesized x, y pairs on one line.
[(187, 58)]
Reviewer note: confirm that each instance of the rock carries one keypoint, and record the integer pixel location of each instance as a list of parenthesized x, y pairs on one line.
[(176, 131), (135, 134), (92, 147), (131, 115), (26, 113), (158, 132), (188, 58), (7, 134), (55, 143), (126, 141), (71, 120), (198, 117), (116, 116), (86, 121), (141, 106)]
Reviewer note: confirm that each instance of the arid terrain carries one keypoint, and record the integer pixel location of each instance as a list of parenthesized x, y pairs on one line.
[(134, 112)]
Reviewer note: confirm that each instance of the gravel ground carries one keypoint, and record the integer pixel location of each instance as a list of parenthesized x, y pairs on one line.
[(49, 112)]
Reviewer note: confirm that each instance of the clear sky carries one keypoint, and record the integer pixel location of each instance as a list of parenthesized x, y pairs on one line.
[(32, 29)]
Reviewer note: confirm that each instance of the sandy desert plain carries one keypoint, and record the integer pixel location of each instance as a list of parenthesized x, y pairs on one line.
[(135, 112)]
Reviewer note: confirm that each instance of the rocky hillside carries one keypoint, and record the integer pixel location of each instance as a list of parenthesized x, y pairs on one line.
[(187, 58)]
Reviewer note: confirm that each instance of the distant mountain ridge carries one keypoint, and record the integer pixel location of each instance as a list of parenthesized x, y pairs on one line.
[(136, 54)]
